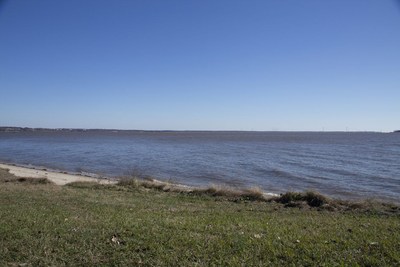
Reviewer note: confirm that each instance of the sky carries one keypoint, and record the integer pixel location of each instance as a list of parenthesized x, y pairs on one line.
[(265, 65)]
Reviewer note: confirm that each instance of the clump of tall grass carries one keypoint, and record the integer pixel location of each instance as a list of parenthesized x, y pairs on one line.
[(150, 183), (128, 182), (316, 200), (308, 199), (34, 180), (254, 193), (89, 185), (6, 177), (313, 199)]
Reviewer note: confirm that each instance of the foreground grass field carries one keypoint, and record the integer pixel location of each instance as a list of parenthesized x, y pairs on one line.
[(91, 225)]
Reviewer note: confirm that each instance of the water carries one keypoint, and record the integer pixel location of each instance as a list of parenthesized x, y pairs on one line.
[(344, 165)]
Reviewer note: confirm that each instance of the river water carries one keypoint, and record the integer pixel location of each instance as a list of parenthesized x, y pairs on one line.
[(339, 164)]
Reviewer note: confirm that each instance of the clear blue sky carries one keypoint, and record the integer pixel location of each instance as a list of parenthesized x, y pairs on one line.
[(201, 65)]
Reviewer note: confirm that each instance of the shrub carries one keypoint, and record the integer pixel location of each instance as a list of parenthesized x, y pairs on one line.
[(313, 199)]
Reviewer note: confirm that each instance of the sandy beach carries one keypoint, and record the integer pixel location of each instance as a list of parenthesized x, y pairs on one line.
[(62, 178), (56, 177)]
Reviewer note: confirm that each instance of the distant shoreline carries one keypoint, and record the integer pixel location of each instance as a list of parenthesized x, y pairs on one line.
[(13, 129)]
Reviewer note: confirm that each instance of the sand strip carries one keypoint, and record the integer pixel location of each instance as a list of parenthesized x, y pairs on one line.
[(56, 177), (62, 178)]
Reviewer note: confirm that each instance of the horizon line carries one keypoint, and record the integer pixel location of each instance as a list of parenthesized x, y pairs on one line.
[(187, 130)]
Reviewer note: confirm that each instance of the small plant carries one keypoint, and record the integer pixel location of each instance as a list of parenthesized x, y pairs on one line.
[(289, 197), (129, 182), (34, 180), (86, 185), (313, 199), (6, 177), (253, 193)]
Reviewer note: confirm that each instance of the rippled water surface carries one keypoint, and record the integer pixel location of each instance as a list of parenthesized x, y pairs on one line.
[(346, 165)]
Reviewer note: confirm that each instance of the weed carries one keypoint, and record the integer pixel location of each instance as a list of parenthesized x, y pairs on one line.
[(313, 199)]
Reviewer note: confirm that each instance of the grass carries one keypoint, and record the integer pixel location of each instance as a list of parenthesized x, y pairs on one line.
[(254, 193), (86, 224), (5, 177)]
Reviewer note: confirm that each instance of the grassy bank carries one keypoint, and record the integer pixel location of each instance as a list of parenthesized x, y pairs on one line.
[(135, 224)]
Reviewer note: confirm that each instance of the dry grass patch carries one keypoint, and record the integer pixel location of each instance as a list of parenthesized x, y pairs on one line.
[(316, 200), (254, 193), (302, 200), (7, 177), (151, 183), (313, 199)]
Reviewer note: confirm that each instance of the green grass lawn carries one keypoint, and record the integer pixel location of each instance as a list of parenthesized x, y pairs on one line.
[(92, 225)]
